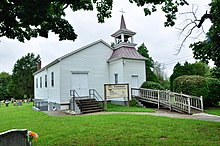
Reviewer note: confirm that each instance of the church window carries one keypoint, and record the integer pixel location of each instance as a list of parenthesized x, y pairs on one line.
[(36, 82), (52, 79), (40, 82), (45, 81), (116, 78)]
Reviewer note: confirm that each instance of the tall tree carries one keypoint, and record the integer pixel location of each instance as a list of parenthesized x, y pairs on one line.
[(4, 81), (159, 71), (215, 72), (22, 82), (177, 71), (149, 63), (209, 49), (22, 19), (201, 69), (161, 75)]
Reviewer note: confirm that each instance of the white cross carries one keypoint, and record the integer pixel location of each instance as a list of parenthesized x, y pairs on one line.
[(122, 11)]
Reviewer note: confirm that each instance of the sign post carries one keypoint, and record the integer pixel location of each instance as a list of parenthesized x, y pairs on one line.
[(116, 91)]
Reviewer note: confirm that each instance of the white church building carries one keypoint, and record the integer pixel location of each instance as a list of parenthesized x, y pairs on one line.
[(90, 67)]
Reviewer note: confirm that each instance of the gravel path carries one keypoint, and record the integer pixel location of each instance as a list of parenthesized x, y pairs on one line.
[(161, 112)]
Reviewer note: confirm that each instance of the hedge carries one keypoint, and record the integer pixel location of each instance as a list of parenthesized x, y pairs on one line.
[(214, 91), (152, 85), (209, 88), (192, 85)]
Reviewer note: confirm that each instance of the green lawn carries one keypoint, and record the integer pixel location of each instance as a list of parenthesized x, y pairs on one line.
[(213, 110), (125, 130), (119, 108)]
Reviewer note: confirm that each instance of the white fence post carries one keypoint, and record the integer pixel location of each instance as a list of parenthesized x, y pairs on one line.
[(201, 99), (189, 108), (158, 96), (170, 101)]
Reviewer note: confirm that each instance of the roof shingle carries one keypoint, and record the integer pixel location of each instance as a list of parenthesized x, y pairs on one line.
[(126, 52)]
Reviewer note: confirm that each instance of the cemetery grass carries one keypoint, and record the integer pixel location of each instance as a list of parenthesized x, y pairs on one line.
[(109, 129)]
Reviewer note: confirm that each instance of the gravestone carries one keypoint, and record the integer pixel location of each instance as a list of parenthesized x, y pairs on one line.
[(14, 137), (6, 103), (19, 103)]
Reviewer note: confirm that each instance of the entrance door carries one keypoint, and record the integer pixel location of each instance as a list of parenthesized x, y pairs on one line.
[(134, 84), (80, 84)]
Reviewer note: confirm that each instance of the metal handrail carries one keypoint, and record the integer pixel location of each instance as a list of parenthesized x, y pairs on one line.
[(74, 95), (93, 93)]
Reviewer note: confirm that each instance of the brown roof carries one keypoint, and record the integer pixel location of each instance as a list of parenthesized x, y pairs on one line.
[(126, 52)]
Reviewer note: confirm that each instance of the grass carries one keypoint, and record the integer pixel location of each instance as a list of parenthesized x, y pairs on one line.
[(119, 108), (109, 130), (213, 111)]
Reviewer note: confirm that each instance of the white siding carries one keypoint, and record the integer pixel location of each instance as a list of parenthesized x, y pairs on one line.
[(50, 93), (116, 67), (91, 60), (134, 67), (126, 68)]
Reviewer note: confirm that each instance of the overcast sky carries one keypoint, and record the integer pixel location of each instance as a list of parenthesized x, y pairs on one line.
[(160, 41)]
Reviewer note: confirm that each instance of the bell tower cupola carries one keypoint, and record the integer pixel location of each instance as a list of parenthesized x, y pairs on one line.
[(124, 36)]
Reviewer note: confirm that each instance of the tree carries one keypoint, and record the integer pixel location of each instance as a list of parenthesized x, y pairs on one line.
[(159, 71), (4, 81), (22, 82), (215, 72), (177, 71), (161, 75), (201, 69), (24, 20), (209, 48), (149, 63)]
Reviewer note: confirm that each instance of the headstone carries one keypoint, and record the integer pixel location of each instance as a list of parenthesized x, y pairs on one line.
[(6, 103), (14, 137), (19, 103)]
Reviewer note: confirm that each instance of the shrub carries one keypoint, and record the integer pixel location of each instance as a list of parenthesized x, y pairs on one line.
[(134, 103), (152, 85), (166, 84), (214, 91), (192, 85)]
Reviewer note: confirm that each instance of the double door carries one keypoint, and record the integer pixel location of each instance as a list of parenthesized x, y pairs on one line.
[(80, 84)]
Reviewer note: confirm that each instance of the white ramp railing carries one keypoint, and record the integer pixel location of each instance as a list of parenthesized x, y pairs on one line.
[(173, 101)]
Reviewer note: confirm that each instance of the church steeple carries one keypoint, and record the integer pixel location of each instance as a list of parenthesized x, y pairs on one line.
[(123, 26), (124, 47), (124, 36)]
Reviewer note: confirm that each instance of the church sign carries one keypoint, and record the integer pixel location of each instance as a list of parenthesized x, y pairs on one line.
[(116, 90)]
